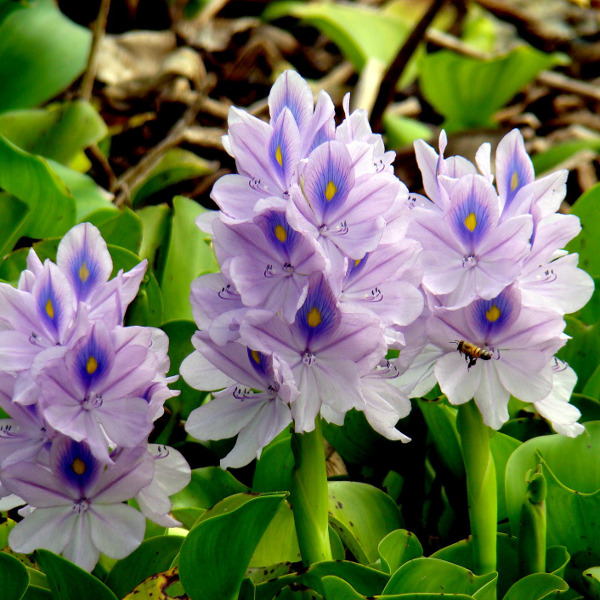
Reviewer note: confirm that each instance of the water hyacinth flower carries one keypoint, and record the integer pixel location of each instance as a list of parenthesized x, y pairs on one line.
[(505, 315), (81, 391), (317, 277)]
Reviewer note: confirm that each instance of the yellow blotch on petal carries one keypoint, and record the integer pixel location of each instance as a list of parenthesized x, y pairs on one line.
[(78, 466), (279, 156), (357, 262), (471, 222), (84, 272), (91, 365), (493, 314), (330, 191), (50, 309), (514, 181), (280, 233), (255, 354), (314, 317)]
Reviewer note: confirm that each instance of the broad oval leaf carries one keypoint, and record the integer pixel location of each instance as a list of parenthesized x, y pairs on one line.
[(14, 578), (399, 547), (216, 552), (536, 587)]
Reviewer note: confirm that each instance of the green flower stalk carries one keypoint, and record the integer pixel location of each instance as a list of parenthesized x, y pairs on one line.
[(309, 498), (481, 486), (532, 526)]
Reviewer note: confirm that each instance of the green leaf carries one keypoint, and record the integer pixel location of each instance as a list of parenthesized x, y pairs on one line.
[(58, 132), (92, 202), (536, 587), (68, 581), (216, 552), (274, 467), (29, 178), (41, 53), (154, 229), (360, 32), (582, 351), (548, 160), (13, 577), (180, 345), (123, 228), (592, 578), (188, 255), (279, 542), (363, 515), (13, 216), (467, 91), (37, 593), (402, 131), (398, 547), (572, 472), (432, 575), (208, 485), (176, 165), (158, 587), (589, 407), (153, 556), (587, 243)]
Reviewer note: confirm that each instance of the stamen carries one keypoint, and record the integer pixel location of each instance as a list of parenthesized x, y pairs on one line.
[(375, 295), (471, 222), (81, 505), (309, 359), (468, 262), (91, 401), (226, 293), (268, 272)]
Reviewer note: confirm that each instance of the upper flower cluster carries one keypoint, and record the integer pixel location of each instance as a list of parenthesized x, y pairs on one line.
[(497, 281), (82, 392), (317, 277)]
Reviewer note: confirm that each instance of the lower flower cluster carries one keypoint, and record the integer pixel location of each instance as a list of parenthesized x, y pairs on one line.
[(82, 392)]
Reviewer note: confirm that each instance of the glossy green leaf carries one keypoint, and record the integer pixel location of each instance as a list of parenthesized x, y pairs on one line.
[(154, 221), (180, 345), (402, 131), (41, 53), (432, 575), (363, 515), (216, 553), (359, 31), (274, 468), (13, 216), (536, 587), (582, 351), (572, 472), (29, 178), (398, 547), (188, 255), (336, 589), (587, 243), (279, 542), (69, 582), (92, 203), (590, 313), (207, 486), (59, 131), (176, 165), (546, 161), (154, 555), (123, 228), (592, 578), (35, 592), (164, 586), (467, 91), (13, 577)]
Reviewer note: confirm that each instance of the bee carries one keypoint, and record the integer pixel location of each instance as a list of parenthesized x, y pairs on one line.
[(472, 352)]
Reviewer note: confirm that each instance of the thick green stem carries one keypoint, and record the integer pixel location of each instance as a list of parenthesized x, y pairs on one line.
[(481, 486), (309, 497)]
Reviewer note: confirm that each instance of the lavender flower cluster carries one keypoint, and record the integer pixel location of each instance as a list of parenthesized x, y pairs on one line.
[(497, 282), (318, 279), (82, 392), (328, 263)]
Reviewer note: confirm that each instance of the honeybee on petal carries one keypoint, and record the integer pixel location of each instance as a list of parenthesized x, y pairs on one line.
[(471, 352)]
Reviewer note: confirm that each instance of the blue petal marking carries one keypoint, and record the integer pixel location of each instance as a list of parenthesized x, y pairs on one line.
[(78, 466)]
